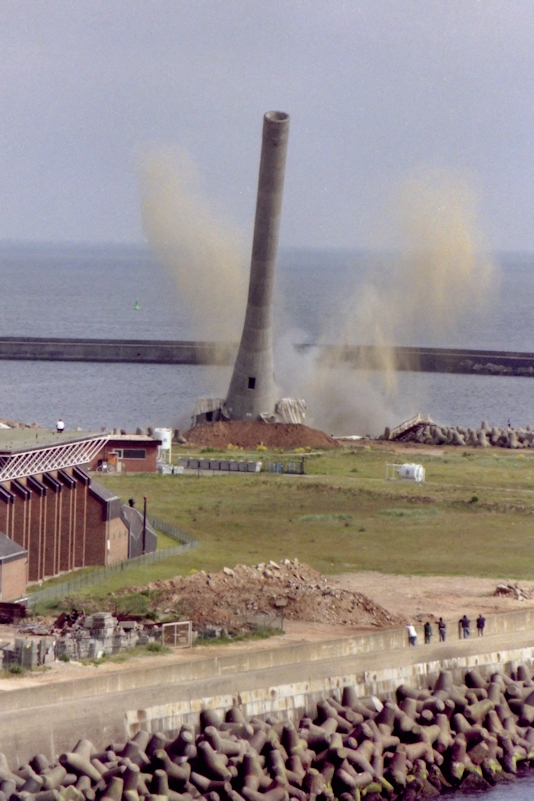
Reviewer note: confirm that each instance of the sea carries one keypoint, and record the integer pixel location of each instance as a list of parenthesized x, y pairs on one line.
[(73, 290)]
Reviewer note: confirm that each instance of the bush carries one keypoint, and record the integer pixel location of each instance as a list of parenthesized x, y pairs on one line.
[(15, 669), (155, 647), (64, 658)]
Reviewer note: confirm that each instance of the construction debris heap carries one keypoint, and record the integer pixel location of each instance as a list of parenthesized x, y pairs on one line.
[(243, 595)]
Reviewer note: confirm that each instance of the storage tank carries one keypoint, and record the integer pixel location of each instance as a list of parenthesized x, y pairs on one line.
[(412, 472), (165, 435)]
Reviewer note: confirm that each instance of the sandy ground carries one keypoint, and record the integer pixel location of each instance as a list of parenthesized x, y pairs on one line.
[(420, 596)]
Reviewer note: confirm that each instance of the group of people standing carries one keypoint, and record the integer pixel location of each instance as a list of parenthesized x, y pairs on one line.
[(464, 629)]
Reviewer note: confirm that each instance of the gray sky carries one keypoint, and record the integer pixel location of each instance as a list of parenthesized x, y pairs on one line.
[(376, 89)]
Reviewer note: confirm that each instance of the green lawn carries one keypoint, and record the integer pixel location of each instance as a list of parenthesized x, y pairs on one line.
[(473, 516)]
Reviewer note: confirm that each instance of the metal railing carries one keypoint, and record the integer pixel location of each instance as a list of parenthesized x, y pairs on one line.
[(80, 580)]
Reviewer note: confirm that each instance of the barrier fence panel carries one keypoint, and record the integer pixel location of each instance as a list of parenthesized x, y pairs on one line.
[(178, 634)]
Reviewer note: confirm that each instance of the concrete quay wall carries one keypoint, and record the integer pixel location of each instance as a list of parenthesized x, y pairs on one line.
[(296, 699), (288, 680)]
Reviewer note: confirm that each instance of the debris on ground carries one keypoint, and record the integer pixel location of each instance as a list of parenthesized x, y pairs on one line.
[(249, 435), (80, 636), (240, 596), (511, 589)]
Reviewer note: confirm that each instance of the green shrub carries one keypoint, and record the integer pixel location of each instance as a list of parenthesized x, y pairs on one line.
[(64, 657), (15, 669), (155, 647)]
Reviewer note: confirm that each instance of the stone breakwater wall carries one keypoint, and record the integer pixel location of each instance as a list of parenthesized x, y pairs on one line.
[(484, 437), (469, 732)]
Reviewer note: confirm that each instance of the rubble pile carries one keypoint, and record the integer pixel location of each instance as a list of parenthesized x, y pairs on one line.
[(232, 597), (486, 436), (82, 636), (92, 636), (511, 589), (421, 743), (249, 435)]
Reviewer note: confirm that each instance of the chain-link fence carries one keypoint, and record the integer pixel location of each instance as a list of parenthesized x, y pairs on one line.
[(77, 581)]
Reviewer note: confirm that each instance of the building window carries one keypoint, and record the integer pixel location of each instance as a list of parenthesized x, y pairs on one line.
[(251, 382), (133, 453)]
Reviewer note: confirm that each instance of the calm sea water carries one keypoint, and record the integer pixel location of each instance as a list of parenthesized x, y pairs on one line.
[(83, 291), (520, 790)]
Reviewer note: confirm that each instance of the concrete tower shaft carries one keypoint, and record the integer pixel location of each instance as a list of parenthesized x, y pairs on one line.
[(252, 389)]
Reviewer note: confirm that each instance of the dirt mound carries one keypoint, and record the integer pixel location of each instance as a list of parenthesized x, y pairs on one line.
[(235, 598), (249, 435)]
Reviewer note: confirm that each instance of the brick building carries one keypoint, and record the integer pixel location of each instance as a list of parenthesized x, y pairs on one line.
[(127, 453), (51, 508), (13, 569)]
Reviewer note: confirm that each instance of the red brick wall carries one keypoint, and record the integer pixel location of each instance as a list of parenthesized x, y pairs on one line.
[(118, 541), (80, 529), (52, 532), (63, 530), (95, 544), (14, 578), (146, 465), (21, 521), (66, 538), (37, 538), (6, 518)]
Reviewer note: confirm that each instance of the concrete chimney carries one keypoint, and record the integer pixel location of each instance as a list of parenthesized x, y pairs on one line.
[(252, 389)]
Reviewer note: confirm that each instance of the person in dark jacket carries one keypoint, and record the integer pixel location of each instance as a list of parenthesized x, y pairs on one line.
[(481, 622), (428, 632), (442, 629), (465, 624)]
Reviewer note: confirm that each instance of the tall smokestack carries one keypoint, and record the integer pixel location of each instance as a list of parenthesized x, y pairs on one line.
[(252, 389)]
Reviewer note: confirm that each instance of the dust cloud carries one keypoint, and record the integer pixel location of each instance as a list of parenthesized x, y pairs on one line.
[(203, 252), (439, 275)]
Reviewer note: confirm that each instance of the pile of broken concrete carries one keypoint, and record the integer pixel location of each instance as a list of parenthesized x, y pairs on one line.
[(233, 597)]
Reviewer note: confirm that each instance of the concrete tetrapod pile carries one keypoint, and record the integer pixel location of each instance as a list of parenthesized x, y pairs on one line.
[(423, 743), (483, 437)]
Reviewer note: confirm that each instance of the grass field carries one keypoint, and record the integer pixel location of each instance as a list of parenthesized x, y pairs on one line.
[(473, 516)]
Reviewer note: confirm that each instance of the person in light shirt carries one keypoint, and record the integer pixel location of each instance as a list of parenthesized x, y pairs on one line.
[(60, 426), (412, 634)]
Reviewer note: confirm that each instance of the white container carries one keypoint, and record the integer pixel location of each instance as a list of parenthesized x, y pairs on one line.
[(165, 435), (412, 472)]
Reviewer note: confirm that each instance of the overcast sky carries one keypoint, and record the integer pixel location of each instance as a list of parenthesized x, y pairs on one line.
[(376, 90)]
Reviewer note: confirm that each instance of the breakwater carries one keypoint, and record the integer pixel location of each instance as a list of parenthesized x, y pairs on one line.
[(370, 357), (465, 729)]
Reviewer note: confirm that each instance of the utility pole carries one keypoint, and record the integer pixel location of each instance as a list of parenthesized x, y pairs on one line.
[(144, 524)]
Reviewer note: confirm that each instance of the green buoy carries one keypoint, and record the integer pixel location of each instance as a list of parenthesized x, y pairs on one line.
[(136, 305)]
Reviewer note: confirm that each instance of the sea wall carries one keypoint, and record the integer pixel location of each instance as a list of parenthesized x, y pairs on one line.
[(49, 717)]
